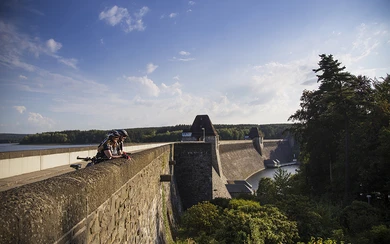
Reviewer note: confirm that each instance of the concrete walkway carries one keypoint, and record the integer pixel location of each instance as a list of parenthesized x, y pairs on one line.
[(19, 180)]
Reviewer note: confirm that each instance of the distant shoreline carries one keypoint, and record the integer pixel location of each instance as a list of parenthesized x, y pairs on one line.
[(12, 147)]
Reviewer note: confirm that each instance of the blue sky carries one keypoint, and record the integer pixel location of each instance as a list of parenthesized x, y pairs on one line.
[(125, 64)]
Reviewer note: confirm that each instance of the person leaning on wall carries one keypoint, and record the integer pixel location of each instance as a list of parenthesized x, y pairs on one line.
[(109, 148), (122, 137)]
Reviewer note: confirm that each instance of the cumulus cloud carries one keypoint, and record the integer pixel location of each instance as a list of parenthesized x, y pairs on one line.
[(118, 15), (151, 67), (185, 54), (176, 77), (172, 15), (22, 77), (191, 3), (20, 109), (39, 120), (114, 15), (174, 89), (273, 87), (145, 85), (53, 46)]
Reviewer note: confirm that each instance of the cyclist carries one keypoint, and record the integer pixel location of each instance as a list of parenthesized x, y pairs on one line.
[(123, 135), (109, 147)]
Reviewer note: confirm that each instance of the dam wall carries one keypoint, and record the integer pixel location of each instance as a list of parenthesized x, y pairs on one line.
[(116, 201), (240, 159), (278, 149), (22, 162)]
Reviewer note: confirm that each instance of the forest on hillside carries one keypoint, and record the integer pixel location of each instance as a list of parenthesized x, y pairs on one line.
[(340, 193), (11, 137), (153, 134)]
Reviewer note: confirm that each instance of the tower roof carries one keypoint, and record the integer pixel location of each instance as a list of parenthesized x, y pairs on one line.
[(253, 133), (203, 121)]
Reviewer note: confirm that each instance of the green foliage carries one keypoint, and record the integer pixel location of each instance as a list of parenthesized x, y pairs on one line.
[(319, 240), (238, 221), (379, 234), (201, 218), (358, 217), (275, 131), (313, 218), (11, 138), (266, 191), (144, 135), (282, 181), (342, 128)]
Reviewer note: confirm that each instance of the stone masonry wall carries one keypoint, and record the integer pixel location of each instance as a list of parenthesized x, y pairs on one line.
[(280, 150), (193, 172), (240, 160), (113, 202)]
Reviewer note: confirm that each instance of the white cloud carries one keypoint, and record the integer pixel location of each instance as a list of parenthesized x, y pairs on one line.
[(117, 15), (23, 77), (144, 10), (184, 53), (176, 77), (191, 3), (172, 15), (71, 62), (15, 45), (101, 41), (145, 85), (114, 15), (172, 90), (273, 88), (151, 67), (20, 109), (368, 38), (38, 120), (53, 46), (182, 59)]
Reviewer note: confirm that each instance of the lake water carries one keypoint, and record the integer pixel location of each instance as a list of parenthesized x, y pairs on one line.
[(269, 172), (11, 147)]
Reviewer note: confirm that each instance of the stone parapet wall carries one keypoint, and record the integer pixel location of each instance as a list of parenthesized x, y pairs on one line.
[(117, 201)]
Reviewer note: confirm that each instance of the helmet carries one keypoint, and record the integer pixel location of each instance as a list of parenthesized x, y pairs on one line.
[(123, 133), (113, 134)]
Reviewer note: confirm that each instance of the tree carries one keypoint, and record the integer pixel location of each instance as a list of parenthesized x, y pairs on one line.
[(329, 117), (237, 221)]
